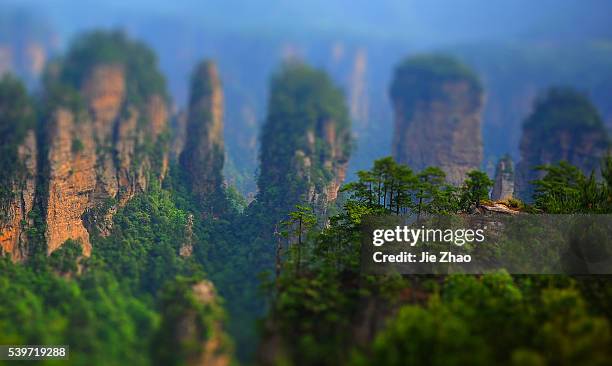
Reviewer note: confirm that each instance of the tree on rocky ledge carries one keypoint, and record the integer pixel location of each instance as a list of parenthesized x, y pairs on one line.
[(476, 188)]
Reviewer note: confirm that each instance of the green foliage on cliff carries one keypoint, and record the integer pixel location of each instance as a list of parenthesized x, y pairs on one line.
[(315, 304), (307, 118), (143, 248), (565, 109), (143, 78), (100, 321), (17, 116), (494, 320), (191, 316), (115, 307), (565, 189), (331, 313), (390, 187), (564, 125), (422, 78), (203, 157), (476, 187)]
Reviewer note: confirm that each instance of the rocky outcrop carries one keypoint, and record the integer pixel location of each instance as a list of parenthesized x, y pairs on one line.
[(437, 103), (335, 164), (503, 186), (104, 141), (104, 91), (564, 126), (13, 238), (178, 125), (97, 157), (71, 180), (305, 141), (106, 151), (186, 249), (203, 155), (191, 327), (214, 351)]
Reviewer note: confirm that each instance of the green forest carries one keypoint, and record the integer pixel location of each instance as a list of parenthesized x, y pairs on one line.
[(175, 280)]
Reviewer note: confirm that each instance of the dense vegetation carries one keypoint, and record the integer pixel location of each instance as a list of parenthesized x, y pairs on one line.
[(566, 126), (144, 296), (114, 307), (294, 147), (564, 109), (331, 312), (17, 116), (566, 189), (135, 295), (114, 48), (423, 79), (395, 188)]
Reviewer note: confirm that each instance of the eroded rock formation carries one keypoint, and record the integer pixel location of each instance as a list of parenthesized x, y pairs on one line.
[(71, 180), (305, 141), (13, 239), (437, 103), (105, 123), (203, 155), (503, 187), (564, 126), (191, 328), (100, 157), (19, 167)]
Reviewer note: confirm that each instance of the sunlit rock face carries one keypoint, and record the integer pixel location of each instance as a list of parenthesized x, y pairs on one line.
[(564, 126), (203, 154), (437, 103), (111, 145), (102, 139), (71, 178)]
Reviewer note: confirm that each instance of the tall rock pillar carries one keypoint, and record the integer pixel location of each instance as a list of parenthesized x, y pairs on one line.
[(203, 154), (438, 104)]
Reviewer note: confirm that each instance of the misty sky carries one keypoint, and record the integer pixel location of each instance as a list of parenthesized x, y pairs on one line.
[(419, 21)]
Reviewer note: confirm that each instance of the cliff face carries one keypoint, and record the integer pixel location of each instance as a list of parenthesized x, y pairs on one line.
[(19, 167), (503, 187), (99, 157), (202, 157), (13, 239), (308, 169), (71, 180), (104, 141), (104, 151), (564, 125), (437, 104), (305, 141)]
